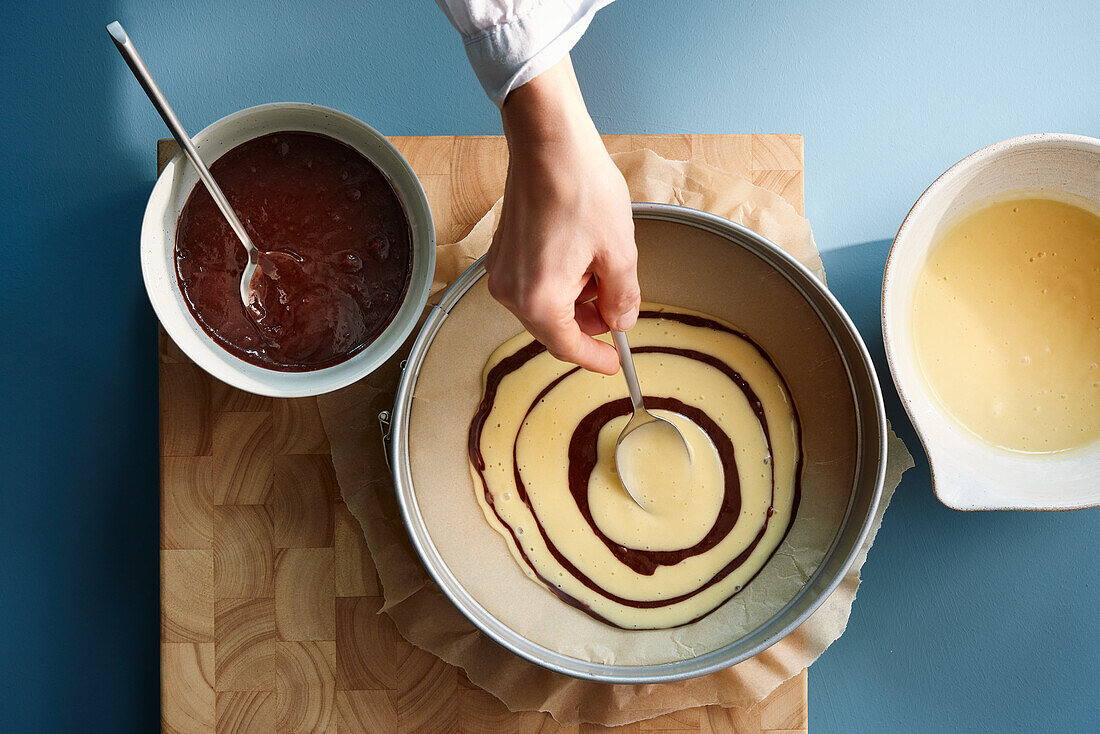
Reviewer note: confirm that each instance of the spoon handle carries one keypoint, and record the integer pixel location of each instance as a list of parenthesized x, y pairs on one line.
[(626, 360), (141, 71)]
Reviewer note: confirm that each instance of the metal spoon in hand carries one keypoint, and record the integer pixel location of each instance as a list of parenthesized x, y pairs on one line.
[(643, 432), (126, 48)]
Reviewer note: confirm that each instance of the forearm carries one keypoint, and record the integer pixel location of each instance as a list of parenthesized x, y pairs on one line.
[(548, 111), (565, 233)]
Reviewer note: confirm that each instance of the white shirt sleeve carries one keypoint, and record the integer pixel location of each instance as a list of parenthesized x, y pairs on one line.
[(510, 42)]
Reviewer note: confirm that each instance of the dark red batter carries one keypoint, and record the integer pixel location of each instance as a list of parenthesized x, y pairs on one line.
[(337, 252)]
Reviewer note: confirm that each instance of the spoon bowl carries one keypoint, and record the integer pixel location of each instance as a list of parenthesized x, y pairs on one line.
[(651, 457), (650, 449)]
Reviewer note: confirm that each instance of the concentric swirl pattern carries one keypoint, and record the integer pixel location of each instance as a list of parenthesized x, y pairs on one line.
[(541, 449)]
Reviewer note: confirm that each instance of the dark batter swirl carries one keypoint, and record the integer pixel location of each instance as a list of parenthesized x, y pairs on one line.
[(582, 460)]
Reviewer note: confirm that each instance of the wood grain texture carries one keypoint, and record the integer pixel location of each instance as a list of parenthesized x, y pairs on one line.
[(298, 428), (355, 573), (246, 712), (305, 594), (187, 595), (366, 711), (187, 515), (269, 598), (302, 501), (427, 692), (244, 648), (244, 559), (243, 451), (186, 428), (187, 706), (367, 646), (306, 686)]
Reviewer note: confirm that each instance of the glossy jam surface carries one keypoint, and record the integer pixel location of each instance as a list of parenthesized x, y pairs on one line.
[(1006, 319), (337, 252)]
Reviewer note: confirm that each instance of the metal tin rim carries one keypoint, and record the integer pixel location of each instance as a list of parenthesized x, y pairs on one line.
[(816, 589)]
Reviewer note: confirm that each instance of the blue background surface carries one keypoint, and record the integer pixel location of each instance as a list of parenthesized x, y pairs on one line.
[(965, 622)]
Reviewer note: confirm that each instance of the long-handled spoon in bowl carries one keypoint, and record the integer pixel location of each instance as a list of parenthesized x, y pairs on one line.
[(141, 71), (650, 450)]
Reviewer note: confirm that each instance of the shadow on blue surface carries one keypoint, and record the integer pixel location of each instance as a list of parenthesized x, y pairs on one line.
[(938, 582), (855, 278), (79, 521)]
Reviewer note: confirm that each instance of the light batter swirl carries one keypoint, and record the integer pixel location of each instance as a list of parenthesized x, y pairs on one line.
[(541, 449)]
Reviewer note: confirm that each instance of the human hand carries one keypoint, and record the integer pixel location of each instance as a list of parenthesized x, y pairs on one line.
[(566, 234)]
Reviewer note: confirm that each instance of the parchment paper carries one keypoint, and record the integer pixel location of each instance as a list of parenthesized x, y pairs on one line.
[(428, 619)]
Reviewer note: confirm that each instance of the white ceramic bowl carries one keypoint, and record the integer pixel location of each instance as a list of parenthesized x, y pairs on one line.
[(969, 474), (158, 237)]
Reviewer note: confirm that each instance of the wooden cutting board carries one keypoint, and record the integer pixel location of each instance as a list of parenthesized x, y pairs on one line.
[(269, 598)]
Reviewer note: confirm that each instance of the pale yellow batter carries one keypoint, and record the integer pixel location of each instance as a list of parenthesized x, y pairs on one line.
[(1006, 318), (681, 491), (540, 430)]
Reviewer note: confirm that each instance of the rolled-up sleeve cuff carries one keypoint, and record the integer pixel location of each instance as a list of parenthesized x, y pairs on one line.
[(510, 55)]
